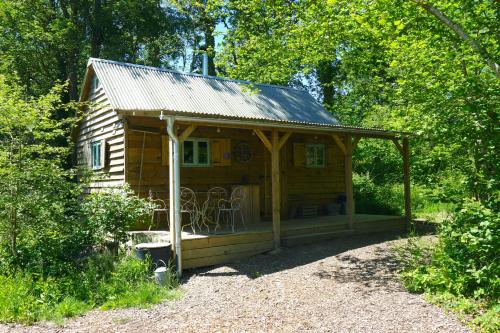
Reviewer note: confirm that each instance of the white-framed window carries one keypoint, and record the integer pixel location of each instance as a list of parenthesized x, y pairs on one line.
[(315, 155), (95, 154), (196, 152)]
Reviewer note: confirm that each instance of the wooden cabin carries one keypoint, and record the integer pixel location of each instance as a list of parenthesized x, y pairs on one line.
[(159, 130)]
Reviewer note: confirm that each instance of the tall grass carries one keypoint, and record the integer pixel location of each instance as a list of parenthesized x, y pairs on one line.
[(100, 283)]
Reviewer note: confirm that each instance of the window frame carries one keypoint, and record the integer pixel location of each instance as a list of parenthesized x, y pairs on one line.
[(96, 151), (196, 163), (315, 146)]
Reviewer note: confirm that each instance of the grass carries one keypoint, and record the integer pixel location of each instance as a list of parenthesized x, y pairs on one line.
[(434, 211), (143, 295), (28, 298)]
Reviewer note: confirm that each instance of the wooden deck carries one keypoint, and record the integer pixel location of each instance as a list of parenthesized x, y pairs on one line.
[(205, 249)]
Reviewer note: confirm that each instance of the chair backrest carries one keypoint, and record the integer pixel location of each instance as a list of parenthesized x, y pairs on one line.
[(159, 203), (237, 197), (216, 193), (188, 199)]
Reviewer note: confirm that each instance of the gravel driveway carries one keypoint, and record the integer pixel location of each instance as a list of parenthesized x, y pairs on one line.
[(342, 285)]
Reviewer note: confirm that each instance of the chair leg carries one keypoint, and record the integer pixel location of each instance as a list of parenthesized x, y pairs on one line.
[(232, 220), (217, 221), (242, 219)]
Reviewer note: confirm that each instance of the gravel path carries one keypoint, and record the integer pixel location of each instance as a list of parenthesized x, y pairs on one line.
[(343, 285)]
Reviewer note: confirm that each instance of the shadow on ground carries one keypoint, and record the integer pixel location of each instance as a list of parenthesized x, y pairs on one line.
[(374, 272)]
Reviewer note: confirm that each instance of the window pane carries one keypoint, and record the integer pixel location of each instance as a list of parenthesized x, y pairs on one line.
[(188, 152), (96, 154), (310, 155), (202, 152), (320, 155)]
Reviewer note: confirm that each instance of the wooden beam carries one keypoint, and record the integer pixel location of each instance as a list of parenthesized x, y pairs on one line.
[(187, 132), (276, 191), (398, 145), (268, 126), (283, 140), (264, 139), (348, 182), (406, 180), (125, 151), (339, 143), (355, 142)]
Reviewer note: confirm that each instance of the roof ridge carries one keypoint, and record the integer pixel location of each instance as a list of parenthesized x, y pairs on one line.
[(218, 78)]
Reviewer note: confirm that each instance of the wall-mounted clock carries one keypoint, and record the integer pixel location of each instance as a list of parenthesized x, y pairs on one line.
[(243, 152)]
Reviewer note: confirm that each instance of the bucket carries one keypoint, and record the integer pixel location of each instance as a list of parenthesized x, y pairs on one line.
[(159, 252)]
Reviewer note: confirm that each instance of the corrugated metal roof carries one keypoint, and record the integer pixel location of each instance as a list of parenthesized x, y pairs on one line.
[(141, 88)]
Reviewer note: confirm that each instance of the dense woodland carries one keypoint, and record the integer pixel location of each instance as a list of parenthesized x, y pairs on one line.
[(426, 67)]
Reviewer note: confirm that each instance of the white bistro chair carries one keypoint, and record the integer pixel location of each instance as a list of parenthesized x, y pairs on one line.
[(230, 208), (189, 207), (210, 210)]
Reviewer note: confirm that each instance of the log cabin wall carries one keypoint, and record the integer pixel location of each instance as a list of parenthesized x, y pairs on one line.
[(312, 186), (155, 172), (101, 123), (300, 185)]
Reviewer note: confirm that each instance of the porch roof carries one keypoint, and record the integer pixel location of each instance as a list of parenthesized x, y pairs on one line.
[(149, 91)]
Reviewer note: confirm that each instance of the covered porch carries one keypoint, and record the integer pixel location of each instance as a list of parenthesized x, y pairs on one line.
[(279, 184), (209, 248)]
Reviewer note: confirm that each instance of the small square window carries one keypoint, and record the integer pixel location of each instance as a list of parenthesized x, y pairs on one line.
[(196, 152), (95, 83), (315, 155), (96, 155)]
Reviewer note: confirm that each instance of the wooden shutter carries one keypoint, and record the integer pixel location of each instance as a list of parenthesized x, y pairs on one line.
[(165, 150), (87, 154), (299, 154), (104, 153), (221, 152)]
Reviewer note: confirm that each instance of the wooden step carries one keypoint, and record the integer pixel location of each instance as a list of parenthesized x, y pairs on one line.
[(313, 237), (313, 229)]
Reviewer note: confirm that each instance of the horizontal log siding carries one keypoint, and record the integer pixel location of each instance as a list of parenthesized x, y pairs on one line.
[(314, 186), (100, 123), (155, 175), (300, 185)]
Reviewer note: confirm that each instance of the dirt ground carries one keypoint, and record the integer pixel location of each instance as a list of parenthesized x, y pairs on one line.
[(341, 285)]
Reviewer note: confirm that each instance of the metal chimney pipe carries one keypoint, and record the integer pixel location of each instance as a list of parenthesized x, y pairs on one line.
[(205, 64)]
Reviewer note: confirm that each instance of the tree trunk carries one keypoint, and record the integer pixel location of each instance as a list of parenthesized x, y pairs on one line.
[(461, 33), (73, 75), (96, 34), (208, 30), (326, 75)]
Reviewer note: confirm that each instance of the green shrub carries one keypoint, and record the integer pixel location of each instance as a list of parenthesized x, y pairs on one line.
[(111, 213), (465, 259), (371, 198), (469, 245), (462, 270)]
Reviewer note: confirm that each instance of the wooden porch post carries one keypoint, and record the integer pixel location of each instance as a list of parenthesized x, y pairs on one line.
[(348, 181), (274, 146), (406, 180), (275, 163)]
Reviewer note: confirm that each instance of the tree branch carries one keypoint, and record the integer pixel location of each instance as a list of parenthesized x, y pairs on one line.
[(461, 33)]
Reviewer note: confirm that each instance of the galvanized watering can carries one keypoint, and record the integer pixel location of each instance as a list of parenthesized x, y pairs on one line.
[(161, 274)]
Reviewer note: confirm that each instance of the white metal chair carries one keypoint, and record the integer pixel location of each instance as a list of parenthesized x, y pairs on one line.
[(189, 206), (232, 206), (210, 209), (161, 207)]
